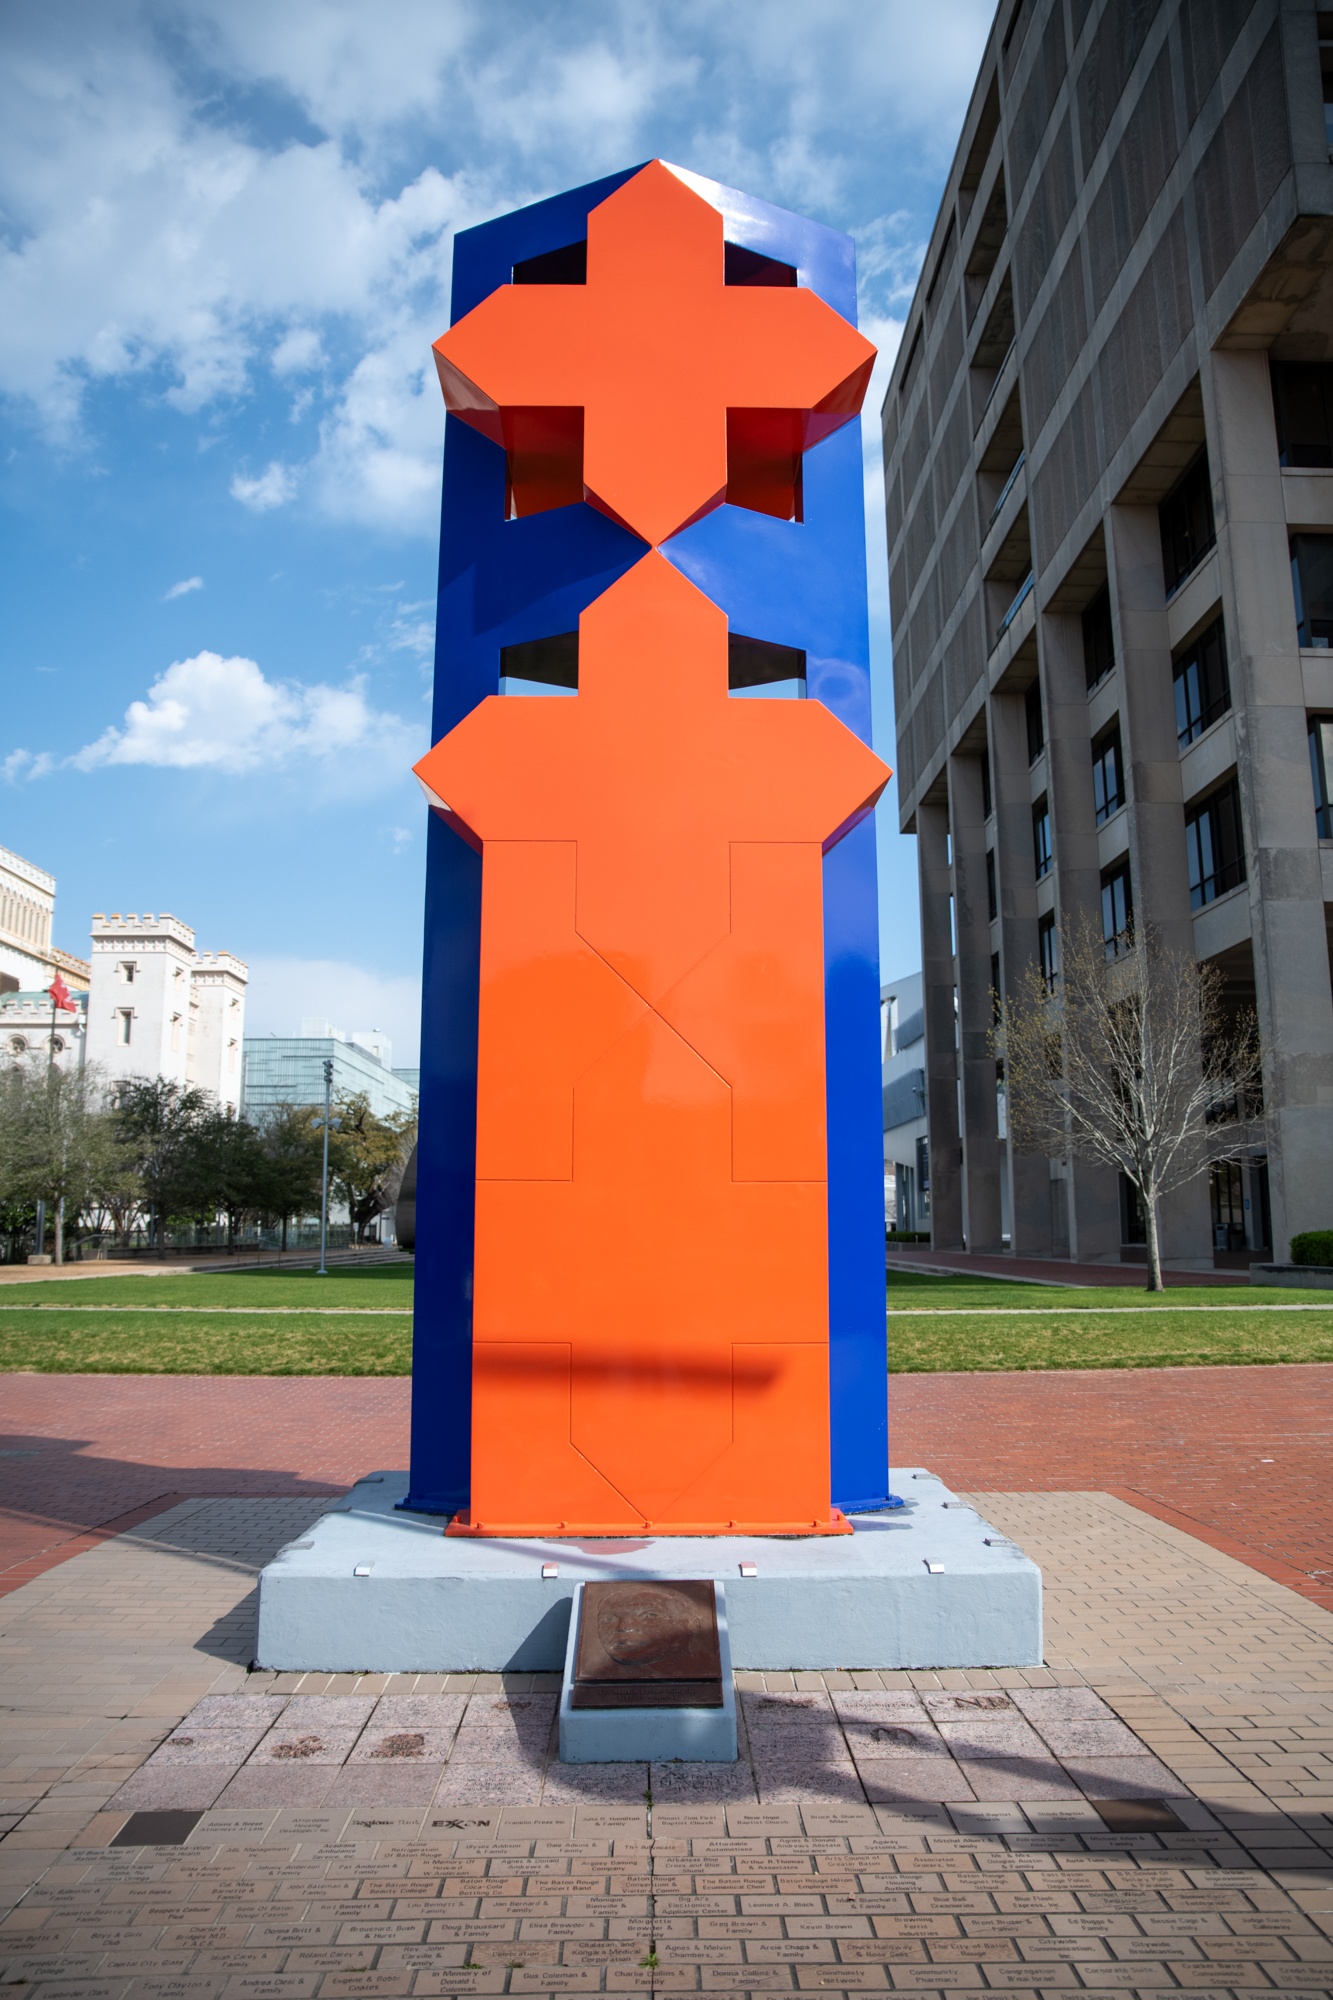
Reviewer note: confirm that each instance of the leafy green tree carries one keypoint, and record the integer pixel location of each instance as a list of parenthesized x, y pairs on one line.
[(367, 1155), (292, 1145), (156, 1121), (58, 1141)]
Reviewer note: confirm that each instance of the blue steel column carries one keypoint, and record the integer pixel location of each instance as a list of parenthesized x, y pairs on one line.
[(795, 584)]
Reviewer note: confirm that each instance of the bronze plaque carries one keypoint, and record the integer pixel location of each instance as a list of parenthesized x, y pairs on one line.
[(648, 1645)]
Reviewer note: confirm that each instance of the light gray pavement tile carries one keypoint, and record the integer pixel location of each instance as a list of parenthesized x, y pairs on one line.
[(401, 1743), (1061, 1705), (482, 1785), (158, 1787), (300, 1742), (895, 1739), (909, 1779), (1017, 1778), (970, 1705), (293, 1784), (206, 1746), (235, 1711), (1124, 1778), (321, 1711), (419, 1711), (1091, 1739), (766, 1713), (820, 1784), (384, 1784), (702, 1784), (615, 1784), (1004, 1736), (869, 1704)]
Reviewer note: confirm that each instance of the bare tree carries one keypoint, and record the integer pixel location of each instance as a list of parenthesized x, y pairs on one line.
[(1132, 1062)]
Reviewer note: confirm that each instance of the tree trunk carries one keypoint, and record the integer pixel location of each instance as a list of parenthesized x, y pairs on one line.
[(283, 1245), (1154, 1247), (60, 1230)]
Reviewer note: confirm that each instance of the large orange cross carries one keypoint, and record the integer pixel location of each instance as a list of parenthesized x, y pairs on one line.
[(655, 350), (650, 1332)]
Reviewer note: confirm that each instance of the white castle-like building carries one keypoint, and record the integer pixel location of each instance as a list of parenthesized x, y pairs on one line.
[(158, 1007)]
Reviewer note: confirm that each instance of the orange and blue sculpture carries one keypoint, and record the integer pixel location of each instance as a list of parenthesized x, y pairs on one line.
[(643, 999)]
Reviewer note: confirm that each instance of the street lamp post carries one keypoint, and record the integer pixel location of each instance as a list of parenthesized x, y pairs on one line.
[(324, 1192)]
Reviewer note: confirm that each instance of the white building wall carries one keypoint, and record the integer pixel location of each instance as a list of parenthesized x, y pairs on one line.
[(27, 907), (25, 1031), (139, 996), (218, 1013)]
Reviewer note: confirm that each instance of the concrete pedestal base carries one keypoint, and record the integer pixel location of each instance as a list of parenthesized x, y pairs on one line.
[(370, 1590), (647, 1735)]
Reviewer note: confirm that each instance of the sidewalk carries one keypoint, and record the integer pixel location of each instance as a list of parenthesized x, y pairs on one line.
[(175, 1267), (1150, 1811), (1047, 1270)]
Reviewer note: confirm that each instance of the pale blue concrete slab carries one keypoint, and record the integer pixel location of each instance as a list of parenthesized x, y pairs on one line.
[(431, 1604), (648, 1735)]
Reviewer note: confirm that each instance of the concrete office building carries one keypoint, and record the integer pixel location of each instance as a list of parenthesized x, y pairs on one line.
[(906, 1143), (1109, 450)]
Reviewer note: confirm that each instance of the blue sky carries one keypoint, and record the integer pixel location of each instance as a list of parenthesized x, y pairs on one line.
[(227, 233)]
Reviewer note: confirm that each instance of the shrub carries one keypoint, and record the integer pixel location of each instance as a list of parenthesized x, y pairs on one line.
[(1314, 1246), (907, 1236)]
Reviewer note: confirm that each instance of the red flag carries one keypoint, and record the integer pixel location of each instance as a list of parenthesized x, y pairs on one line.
[(62, 996)]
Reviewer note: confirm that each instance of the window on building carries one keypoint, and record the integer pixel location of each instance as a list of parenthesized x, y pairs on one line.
[(1046, 953), (1303, 408), (1133, 1222), (231, 1058), (1186, 519), (175, 1032), (1041, 837), (1203, 687), (1312, 588), (1117, 910), (127, 971), (1215, 845), (1321, 771), (126, 1019), (987, 803), (1036, 731), (923, 1177), (1108, 787), (1098, 638), (992, 897), (995, 1001)]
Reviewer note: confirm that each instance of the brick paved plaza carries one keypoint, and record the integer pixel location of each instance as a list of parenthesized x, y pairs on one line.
[(1150, 1811)]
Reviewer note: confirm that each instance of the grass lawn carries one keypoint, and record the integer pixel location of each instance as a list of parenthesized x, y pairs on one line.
[(358, 1323)]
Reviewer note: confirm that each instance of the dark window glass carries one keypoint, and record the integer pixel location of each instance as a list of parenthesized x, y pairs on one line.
[(1133, 1222), (1215, 846), (1186, 517), (1117, 910), (1108, 786), (1203, 689), (986, 804), (1046, 951), (1041, 837), (1312, 587), (1036, 733), (992, 903), (1226, 1190), (1303, 407), (1098, 638), (1321, 771)]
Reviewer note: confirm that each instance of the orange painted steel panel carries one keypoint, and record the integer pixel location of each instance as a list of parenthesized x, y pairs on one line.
[(651, 1235), (655, 349)]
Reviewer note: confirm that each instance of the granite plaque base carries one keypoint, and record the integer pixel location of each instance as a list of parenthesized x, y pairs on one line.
[(369, 1589), (635, 1734)]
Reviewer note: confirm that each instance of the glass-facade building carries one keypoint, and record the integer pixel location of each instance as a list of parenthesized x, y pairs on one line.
[(289, 1069)]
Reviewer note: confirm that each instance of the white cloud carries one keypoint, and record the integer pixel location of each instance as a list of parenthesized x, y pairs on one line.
[(411, 634), (225, 715), (273, 488), (401, 836), (26, 764), (298, 352), (283, 990), (183, 588)]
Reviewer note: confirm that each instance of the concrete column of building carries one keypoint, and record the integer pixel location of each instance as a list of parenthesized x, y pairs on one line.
[(1159, 875), (1294, 999), (976, 1067), (937, 968), (1029, 1177), (1092, 1193)]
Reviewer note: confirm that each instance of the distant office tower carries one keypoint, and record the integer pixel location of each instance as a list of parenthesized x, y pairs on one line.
[(159, 1008), (1109, 449)]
